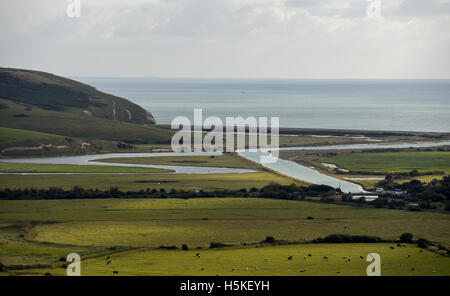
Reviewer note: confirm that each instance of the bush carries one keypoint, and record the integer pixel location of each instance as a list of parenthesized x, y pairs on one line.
[(168, 247), (345, 238), (24, 267), (406, 238), (184, 247), (214, 245), (431, 196), (414, 209), (269, 240), (423, 243), (2, 267)]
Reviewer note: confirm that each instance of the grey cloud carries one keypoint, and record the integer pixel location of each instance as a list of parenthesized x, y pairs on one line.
[(254, 38)]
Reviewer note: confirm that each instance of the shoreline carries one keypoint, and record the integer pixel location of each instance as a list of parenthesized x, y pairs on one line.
[(341, 132)]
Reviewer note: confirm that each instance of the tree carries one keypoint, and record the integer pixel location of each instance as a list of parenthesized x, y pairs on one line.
[(406, 238)]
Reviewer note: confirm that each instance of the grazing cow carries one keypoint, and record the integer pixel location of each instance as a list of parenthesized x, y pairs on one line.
[(345, 227), (309, 255), (409, 256), (399, 245), (107, 257), (116, 272), (421, 251), (290, 258), (109, 262), (302, 270), (233, 269), (412, 269), (203, 268), (361, 257), (325, 257), (267, 259), (304, 257), (197, 255), (344, 257), (349, 260), (391, 247), (404, 245)]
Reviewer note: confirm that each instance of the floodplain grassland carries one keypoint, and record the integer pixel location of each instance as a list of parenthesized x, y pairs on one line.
[(136, 182), (226, 160), (372, 184), (199, 221), (67, 168), (393, 162), (40, 232)]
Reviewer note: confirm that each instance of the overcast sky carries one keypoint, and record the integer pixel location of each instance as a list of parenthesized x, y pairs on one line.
[(228, 38)]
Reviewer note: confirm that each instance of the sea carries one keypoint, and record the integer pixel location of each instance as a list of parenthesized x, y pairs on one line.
[(400, 105)]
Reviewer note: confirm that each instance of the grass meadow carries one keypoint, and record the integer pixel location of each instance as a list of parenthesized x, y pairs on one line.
[(225, 160), (66, 168), (129, 230), (137, 182), (393, 161)]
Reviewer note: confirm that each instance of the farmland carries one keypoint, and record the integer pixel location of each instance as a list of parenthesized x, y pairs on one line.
[(66, 168), (225, 160), (52, 229), (206, 182), (393, 161)]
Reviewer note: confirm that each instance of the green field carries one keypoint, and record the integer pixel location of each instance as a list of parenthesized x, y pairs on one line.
[(197, 222), (11, 134), (251, 261), (52, 229), (137, 182), (66, 168), (293, 141), (225, 160), (393, 161), (371, 184)]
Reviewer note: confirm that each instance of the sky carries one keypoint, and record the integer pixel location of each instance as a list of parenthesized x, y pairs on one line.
[(229, 38)]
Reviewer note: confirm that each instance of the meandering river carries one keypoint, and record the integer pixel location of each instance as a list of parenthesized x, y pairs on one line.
[(90, 160), (285, 167), (298, 171)]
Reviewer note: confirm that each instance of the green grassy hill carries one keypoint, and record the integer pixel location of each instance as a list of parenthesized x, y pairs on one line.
[(45, 103), (50, 92), (12, 134), (70, 123)]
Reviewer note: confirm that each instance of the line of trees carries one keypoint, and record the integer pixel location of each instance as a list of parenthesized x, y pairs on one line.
[(289, 192)]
